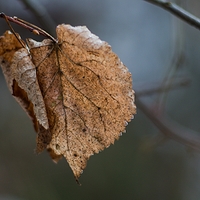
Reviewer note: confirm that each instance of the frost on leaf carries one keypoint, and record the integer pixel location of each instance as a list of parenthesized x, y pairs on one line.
[(80, 93)]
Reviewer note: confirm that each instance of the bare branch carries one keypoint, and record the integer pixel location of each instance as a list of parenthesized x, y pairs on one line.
[(31, 27), (171, 129), (178, 11)]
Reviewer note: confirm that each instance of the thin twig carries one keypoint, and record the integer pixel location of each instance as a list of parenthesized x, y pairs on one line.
[(41, 14), (171, 129), (178, 11), (31, 27), (2, 15)]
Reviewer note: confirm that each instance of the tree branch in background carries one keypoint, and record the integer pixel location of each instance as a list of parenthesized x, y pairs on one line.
[(178, 11), (171, 129), (41, 14), (168, 127), (160, 88)]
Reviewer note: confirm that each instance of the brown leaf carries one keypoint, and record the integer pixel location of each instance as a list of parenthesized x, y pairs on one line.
[(21, 77), (81, 93)]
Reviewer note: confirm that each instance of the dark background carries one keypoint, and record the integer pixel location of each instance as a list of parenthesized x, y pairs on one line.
[(144, 163)]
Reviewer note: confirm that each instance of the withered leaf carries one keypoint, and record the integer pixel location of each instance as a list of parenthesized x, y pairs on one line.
[(20, 74), (77, 92)]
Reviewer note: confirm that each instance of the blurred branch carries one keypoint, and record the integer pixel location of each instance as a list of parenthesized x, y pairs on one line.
[(41, 14), (163, 88), (171, 129), (168, 127), (178, 11)]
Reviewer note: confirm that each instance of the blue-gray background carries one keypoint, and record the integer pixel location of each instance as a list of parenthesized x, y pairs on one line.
[(146, 38)]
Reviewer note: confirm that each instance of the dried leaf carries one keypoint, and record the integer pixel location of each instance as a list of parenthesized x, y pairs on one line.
[(80, 93), (20, 74)]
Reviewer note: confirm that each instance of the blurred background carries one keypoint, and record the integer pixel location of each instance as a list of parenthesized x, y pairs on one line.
[(149, 161)]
